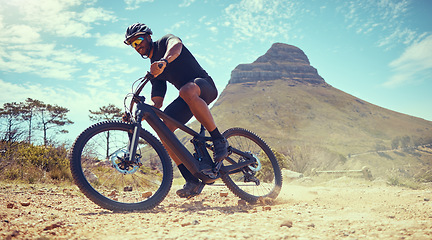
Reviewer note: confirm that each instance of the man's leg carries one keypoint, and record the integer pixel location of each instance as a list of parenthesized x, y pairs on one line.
[(199, 108), (190, 93)]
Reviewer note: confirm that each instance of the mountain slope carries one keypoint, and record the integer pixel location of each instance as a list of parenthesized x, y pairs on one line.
[(283, 99)]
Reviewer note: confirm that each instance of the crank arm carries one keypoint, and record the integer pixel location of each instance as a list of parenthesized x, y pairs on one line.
[(236, 166)]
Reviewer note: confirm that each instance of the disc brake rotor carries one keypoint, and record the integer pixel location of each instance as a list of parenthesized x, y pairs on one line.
[(257, 165), (120, 161)]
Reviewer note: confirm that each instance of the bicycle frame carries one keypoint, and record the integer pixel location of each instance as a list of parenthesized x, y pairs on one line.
[(153, 116)]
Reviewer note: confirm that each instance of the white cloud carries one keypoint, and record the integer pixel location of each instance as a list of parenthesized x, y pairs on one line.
[(263, 18), (42, 56), (18, 34), (213, 29), (65, 18), (102, 72), (111, 40), (175, 26), (413, 64), (186, 3), (383, 18), (90, 15), (134, 4), (391, 10), (51, 16), (44, 60), (405, 36)]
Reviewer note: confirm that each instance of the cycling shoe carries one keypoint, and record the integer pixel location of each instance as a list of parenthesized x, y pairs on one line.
[(220, 149), (190, 189)]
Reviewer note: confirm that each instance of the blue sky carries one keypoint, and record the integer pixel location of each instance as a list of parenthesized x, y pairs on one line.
[(71, 52)]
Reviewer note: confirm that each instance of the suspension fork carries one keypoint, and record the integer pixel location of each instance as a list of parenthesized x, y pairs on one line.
[(134, 137), (133, 141)]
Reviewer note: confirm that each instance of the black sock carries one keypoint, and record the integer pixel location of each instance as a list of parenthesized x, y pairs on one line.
[(187, 175), (215, 134)]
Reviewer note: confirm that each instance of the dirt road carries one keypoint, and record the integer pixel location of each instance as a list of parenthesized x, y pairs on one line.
[(342, 208)]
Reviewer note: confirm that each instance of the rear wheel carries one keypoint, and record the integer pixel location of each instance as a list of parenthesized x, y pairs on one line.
[(263, 179), (102, 170)]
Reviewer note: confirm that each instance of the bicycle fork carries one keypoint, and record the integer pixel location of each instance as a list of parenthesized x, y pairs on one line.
[(133, 141), (134, 138)]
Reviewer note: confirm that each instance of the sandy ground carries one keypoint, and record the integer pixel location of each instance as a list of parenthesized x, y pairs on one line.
[(341, 208)]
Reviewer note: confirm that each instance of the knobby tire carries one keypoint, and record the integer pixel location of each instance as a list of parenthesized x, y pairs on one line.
[(93, 172), (269, 175)]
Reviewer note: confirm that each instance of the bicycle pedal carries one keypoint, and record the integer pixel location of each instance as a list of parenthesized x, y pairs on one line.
[(210, 173)]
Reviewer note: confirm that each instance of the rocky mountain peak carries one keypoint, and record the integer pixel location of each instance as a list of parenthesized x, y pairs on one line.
[(280, 52), (280, 62)]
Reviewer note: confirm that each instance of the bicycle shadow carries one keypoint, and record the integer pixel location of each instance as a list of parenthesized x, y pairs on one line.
[(188, 206), (201, 205), (206, 202), (157, 209)]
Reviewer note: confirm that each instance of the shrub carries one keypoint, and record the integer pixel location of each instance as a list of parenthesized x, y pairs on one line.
[(266, 172), (396, 179), (12, 174), (60, 174), (32, 163)]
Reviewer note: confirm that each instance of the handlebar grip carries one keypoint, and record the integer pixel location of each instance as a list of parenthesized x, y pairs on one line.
[(149, 76)]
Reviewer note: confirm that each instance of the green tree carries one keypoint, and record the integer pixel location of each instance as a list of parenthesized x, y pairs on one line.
[(10, 113), (106, 113), (11, 133), (29, 109), (52, 117)]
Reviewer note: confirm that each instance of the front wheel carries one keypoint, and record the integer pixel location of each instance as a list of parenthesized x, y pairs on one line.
[(101, 167), (263, 179)]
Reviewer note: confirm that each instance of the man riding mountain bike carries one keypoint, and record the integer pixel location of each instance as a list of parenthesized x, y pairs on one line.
[(172, 62)]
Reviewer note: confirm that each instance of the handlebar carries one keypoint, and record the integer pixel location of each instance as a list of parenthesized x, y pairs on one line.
[(140, 87), (135, 95)]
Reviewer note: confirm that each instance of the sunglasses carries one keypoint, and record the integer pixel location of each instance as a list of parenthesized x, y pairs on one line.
[(137, 42)]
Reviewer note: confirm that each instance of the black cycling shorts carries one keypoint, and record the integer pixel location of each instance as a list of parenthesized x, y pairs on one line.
[(179, 110)]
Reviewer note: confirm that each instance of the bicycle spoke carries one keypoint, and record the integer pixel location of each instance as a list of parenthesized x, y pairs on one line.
[(101, 162)]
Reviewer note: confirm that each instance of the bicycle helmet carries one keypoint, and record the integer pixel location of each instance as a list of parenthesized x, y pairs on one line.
[(136, 29)]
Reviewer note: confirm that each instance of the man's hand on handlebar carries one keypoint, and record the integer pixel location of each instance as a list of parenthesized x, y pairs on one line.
[(157, 68), (126, 117)]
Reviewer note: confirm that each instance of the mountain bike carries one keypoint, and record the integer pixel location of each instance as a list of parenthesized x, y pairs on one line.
[(122, 167)]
